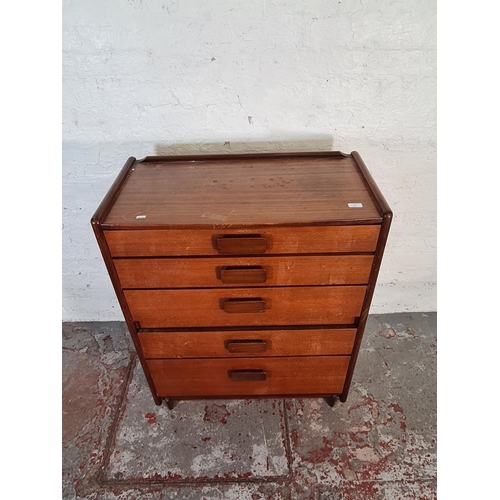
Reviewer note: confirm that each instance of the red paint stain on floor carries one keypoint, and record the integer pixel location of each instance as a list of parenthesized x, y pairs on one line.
[(319, 455), (151, 417), (396, 408)]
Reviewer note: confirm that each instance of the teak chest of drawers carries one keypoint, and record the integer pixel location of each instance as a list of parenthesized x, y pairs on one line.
[(243, 276)]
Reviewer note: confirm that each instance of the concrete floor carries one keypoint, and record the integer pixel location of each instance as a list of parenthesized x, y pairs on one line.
[(380, 444)]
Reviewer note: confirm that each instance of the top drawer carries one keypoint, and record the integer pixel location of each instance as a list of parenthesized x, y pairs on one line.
[(255, 241)]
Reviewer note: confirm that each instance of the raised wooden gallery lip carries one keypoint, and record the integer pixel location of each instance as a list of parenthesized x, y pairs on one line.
[(242, 191)]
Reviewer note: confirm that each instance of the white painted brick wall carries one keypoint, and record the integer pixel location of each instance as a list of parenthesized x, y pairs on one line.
[(145, 77)]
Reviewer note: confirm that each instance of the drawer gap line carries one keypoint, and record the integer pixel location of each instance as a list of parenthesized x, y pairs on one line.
[(237, 329), (242, 286), (243, 256)]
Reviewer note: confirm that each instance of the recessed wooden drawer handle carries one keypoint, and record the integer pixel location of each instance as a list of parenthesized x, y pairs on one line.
[(232, 275), (241, 244), (246, 346), (243, 305), (247, 375)]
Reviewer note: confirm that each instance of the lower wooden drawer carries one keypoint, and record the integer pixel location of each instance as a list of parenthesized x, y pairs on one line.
[(311, 305), (221, 377), (244, 343)]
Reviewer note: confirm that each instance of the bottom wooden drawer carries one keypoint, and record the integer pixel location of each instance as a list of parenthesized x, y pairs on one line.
[(310, 375)]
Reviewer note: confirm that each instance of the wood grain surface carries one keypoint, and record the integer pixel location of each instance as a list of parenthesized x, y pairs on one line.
[(283, 306), (243, 191), (216, 344), (279, 271), (280, 240), (292, 375)]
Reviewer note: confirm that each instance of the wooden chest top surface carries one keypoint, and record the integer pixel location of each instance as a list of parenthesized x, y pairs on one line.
[(243, 190)]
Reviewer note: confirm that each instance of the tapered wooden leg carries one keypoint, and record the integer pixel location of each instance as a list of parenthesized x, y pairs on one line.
[(331, 401), (171, 404)]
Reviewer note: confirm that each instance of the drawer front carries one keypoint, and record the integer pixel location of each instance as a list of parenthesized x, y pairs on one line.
[(249, 376), (277, 240), (244, 271), (246, 306), (244, 343)]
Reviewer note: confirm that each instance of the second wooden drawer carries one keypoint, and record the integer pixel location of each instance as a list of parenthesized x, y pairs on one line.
[(244, 271), (307, 305)]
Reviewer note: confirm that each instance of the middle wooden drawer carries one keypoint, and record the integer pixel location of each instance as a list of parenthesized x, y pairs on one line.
[(244, 271), (217, 307)]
